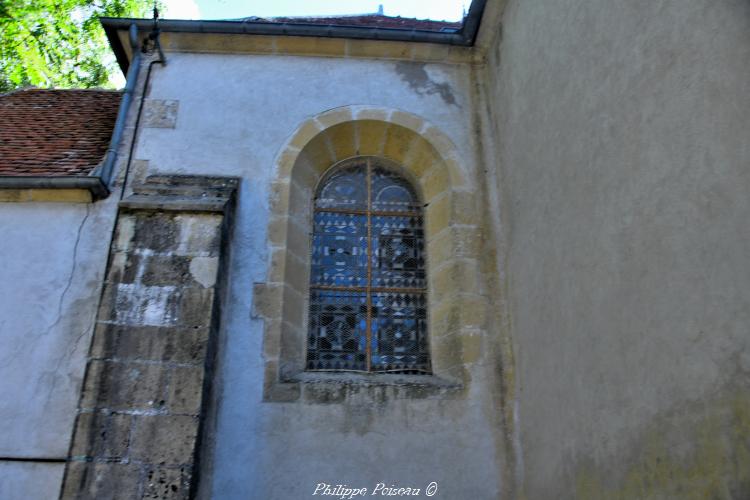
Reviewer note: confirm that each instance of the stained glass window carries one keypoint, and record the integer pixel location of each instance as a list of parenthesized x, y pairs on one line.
[(368, 307)]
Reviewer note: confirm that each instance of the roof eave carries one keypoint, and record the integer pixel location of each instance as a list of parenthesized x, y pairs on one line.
[(465, 37), (93, 184)]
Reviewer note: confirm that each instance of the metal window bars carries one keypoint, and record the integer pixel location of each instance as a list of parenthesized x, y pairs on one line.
[(368, 307)]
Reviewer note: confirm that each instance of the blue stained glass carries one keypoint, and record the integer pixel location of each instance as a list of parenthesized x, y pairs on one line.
[(359, 272)]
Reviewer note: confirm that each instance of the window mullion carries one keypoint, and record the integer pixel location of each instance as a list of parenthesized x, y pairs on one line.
[(368, 293)]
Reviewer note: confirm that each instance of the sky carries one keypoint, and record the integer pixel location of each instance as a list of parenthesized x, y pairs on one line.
[(440, 10)]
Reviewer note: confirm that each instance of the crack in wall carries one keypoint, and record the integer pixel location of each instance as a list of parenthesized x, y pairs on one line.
[(60, 303)]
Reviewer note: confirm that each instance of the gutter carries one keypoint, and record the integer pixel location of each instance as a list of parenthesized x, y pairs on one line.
[(94, 185), (465, 37)]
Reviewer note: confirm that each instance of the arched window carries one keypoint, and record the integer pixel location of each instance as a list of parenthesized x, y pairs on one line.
[(368, 305)]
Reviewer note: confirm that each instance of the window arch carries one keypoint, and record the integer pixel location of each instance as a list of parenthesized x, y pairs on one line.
[(368, 285)]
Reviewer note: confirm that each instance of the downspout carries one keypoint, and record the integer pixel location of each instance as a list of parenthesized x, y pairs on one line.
[(122, 114), (153, 37)]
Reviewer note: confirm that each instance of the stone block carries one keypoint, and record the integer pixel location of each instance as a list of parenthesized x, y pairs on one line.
[(124, 386), (318, 153), (421, 157), (408, 120), (277, 230), (369, 113), (294, 306), (300, 201), (462, 311), (280, 392), (371, 137), (461, 241), (297, 272), (298, 238), (379, 49), (435, 182), (343, 140), (60, 195), (221, 43), (140, 305), (199, 234), (267, 300), (472, 346), (438, 215), (45, 195), (293, 343), (185, 390), (101, 435), (278, 261), (167, 483), (306, 132), (447, 354), (272, 341), (101, 481), (108, 304), (398, 142), (454, 277), (164, 439), (158, 232), (195, 308), (335, 117), (285, 163), (157, 270), (305, 176), (465, 207), (298, 45), (279, 195), (439, 141), (160, 113), (125, 232), (204, 270), (119, 262), (150, 343)]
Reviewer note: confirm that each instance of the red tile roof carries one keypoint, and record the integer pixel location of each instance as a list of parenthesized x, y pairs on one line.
[(59, 132), (371, 21)]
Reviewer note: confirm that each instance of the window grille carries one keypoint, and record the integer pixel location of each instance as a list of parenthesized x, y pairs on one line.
[(368, 307)]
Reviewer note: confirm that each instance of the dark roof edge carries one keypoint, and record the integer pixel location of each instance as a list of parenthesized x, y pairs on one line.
[(465, 37), (92, 184)]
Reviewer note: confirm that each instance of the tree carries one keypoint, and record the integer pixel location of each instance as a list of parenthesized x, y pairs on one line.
[(59, 43)]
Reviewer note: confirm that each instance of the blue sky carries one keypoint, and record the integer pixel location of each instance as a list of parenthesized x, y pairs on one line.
[(448, 10)]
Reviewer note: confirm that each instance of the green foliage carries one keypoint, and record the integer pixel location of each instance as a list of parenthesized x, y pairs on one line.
[(59, 43)]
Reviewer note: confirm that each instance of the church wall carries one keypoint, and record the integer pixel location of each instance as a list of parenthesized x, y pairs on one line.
[(53, 257), (233, 116), (619, 133)]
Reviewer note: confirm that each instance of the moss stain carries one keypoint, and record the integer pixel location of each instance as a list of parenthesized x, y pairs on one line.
[(711, 462)]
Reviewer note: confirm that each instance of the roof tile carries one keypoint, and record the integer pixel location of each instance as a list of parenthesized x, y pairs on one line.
[(55, 132), (372, 21)]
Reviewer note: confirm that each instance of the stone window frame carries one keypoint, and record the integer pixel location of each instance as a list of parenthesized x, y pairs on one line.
[(457, 304)]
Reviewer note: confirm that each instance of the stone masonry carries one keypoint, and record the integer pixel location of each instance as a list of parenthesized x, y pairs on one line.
[(137, 432)]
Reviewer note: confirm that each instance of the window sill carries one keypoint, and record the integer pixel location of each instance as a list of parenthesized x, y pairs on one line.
[(338, 387), (379, 379)]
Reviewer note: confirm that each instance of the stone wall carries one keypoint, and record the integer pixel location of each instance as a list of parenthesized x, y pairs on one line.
[(140, 413)]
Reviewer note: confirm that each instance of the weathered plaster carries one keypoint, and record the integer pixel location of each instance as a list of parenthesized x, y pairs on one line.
[(252, 437), (620, 147), (54, 256), (49, 290), (418, 79), (26, 480)]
